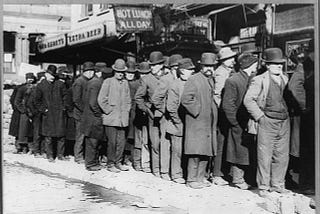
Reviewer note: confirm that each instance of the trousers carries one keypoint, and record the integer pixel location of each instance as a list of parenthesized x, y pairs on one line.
[(91, 152), (78, 146), (197, 165), (116, 143), (50, 146)]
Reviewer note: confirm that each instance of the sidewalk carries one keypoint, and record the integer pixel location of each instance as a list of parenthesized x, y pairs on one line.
[(155, 191)]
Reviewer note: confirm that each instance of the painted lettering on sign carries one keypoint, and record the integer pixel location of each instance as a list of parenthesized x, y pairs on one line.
[(52, 43), (85, 34), (133, 19)]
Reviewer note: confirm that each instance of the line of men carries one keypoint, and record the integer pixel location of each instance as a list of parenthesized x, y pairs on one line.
[(178, 122)]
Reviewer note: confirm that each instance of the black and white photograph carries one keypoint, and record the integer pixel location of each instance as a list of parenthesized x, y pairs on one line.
[(160, 108)]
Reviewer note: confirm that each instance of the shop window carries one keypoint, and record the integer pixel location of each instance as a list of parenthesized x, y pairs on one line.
[(7, 67), (104, 7), (87, 10)]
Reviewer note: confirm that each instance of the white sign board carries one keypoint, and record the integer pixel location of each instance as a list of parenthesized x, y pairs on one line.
[(52, 43), (27, 68), (85, 34)]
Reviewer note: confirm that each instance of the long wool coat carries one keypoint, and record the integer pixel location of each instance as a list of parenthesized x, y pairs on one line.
[(239, 140), (15, 118), (91, 123), (201, 117), (79, 88), (133, 85), (70, 121), (52, 97)]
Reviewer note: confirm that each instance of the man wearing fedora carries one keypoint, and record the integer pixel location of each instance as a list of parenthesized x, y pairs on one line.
[(115, 102), (239, 141), (143, 98), (159, 101), (78, 91), (91, 123), (25, 125), (50, 101), (264, 101), (201, 121), (141, 152), (176, 117)]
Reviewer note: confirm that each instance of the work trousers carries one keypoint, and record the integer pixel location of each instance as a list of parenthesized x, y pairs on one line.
[(91, 152), (176, 153), (164, 147), (50, 146), (141, 152), (217, 160), (78, 146), (273, 152), (38, 146), (154, 132), (116, 143), (237, 172), (197, 165)]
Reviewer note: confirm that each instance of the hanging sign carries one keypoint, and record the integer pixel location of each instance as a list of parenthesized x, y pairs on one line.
[(52, 43), (133, 19), (195, 26), (85, 34), (248, 32)]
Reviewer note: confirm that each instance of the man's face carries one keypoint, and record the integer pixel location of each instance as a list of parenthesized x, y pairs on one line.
[(252, 70), (274, 68), (118, 75), (89, 74), (99, 74), (185, 73), (129, 76), (49, 77), (30, 80), (229, 62), (156, 69), (208, 70)]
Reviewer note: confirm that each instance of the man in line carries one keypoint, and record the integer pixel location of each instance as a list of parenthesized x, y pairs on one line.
[(78, 90), (264, 101), (143, 98), (115, 102), (176, 117), (201, 121), (237, 115)]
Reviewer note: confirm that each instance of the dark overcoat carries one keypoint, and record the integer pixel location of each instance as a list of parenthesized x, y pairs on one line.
[(239, 141), (91, 123), (15, 118), (70, 121), (79, 88), (20, 101), (133, 85), (50, 100), (201, 117)]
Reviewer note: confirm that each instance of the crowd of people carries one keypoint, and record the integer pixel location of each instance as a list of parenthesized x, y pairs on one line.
[(239, 115)]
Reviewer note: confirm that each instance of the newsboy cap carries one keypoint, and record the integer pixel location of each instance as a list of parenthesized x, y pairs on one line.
[(119, 65), (156, 57), (185, 63), (88, 66), (40, 74), (99, 66), (30, 75), (208, 59), (245, 60), (273, 55), (173, 60)]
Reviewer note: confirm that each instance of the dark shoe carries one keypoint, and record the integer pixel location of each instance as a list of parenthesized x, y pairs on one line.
[(113, 169), (166, 177), (195, 185), (312, 204), (80, 161), (122, 167), (179, 180), (51, 160), (63, 159), (94, 168), (38, 155)]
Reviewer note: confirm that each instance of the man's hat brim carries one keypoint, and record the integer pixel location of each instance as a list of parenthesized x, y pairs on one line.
[(119, 70)]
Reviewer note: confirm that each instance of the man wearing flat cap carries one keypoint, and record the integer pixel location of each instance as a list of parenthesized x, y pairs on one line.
[(78, 91), (25, 125), (115, 102), (176, 117), (50, 102), (201, 121), (264, 101), (238, 116)]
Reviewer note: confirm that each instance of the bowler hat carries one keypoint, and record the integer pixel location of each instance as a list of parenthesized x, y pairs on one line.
[(119, 65), (218, 45), (273, 55), (249, 48), (226, 53), (131, 67), (156, 57), (99, 66), (144, 68), (173, 60), (40, 74), (30, 76), (52, 69), (185, 63), (88, 66), (246, 60), (208, 59)]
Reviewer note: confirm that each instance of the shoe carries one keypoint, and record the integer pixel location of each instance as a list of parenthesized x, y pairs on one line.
[(44, 156), (157, 174), (51, 160), (122, 167), (179, 180), (67, 157), (38, 155), (137, 168), (80, 162), (113, 169), (195, 185), (312, 204), (104, 159), (263, 193), (280, 190), (63, 159), (243, 186), (146, 170), (94, 168), (219, 181), (206, 183), (128, 163), (166, 177), (24, 150), (30, 152)]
